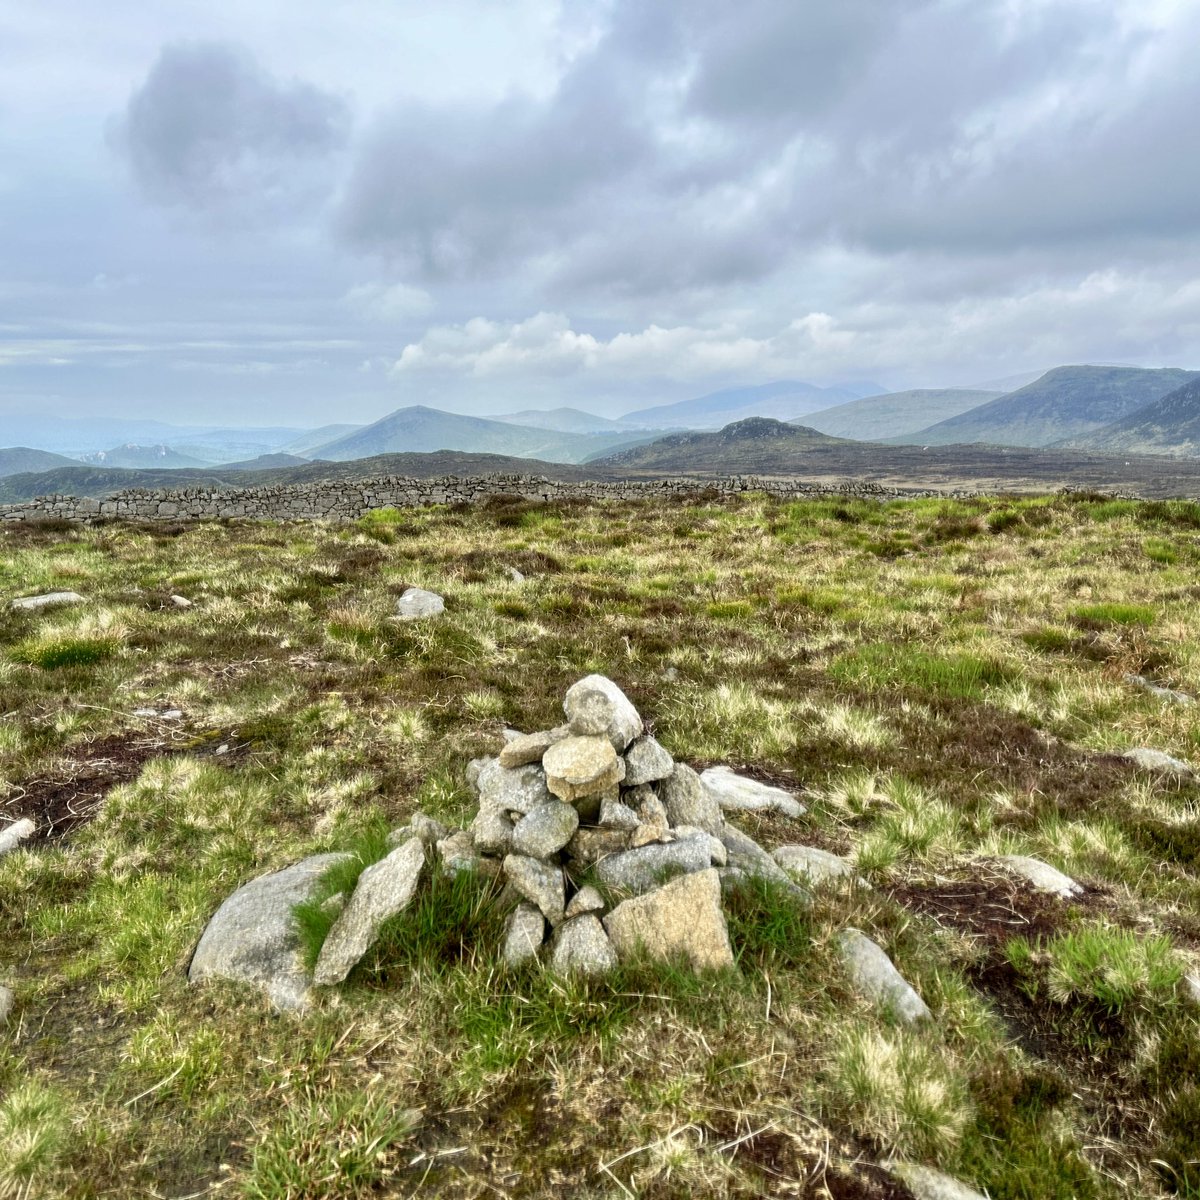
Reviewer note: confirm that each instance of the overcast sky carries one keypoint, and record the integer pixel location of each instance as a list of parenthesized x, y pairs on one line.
[(291, 211)]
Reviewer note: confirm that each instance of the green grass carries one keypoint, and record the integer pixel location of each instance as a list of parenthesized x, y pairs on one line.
[(939, 681)]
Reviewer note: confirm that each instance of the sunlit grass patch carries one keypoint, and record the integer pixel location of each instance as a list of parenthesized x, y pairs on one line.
[(878, 666), (33, 1129)]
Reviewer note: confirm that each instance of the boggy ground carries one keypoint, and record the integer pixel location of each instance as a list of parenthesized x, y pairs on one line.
[(943, 682)]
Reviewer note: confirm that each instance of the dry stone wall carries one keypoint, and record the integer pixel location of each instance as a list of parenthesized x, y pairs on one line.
[(346, 500)]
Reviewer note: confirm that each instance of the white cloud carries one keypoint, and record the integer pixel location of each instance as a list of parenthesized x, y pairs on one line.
[(391, 302)]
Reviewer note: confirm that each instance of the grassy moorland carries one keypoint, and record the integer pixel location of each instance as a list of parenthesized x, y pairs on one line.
[(943, 682)]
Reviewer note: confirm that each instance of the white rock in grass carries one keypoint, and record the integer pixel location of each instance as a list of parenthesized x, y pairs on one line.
[(48, 600), (417, 603), (875, 976), (1157, 760), (581, 947), (1191, 986), (181, 602), (646, 761), (1160, 693), (927, 1184), (737, 793), (7, 1000), (596, 706), (525, 932), (540, 884), (383, 889), (682, 919), (808, 865), (253, 936), (11, 836), (1040, 875)]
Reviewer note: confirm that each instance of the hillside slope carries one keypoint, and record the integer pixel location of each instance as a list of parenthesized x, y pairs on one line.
[(782, 401), (1167, 426), (15, 460), (1064, 403), (895, 413), (422, 429)]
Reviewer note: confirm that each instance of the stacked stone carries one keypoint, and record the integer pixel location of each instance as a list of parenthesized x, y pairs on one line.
[(598, 797)]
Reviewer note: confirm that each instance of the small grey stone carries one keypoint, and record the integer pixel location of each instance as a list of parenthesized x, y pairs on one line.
[(181, 602), (539, 883), (7, 1001), (646, 761), (253, 936), (518, 789), (170, 714), (716, 848), (475, 769), (616, 815), (528, 748), (524, 934), (925, 1183), (1160, 693), (808, 865), (736, 793), (383, 889), (1157, 760), (596, 706), (458, 852), (492, 830), (11, 836), (1042, 876), (586, 900), (427, 829), (875, 976), (1191, 986), (145, 712), (644, 869), (545, 830), (578, 767), (417, 603), (688, 802), (47, 600), (648, 835), (581, 947), (515, 575), (683, 918)]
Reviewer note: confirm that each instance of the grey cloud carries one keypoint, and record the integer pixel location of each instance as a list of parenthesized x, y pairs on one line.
[(209, 129)]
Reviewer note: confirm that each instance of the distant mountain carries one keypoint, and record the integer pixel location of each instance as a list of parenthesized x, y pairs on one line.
[(1064, 403), (310, 439), (142, 457), (421, 429), (563, 420), (1008, 383), (895, 413), (87, 435), (18, 459), (755, 446), (1170, 425), (266, 462), (783, 400)]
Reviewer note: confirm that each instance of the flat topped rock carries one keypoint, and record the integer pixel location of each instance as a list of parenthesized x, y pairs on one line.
[(644, 868), (383, 889), (11, 836), (1042, 876), (737, 793), (530, 747), (1158, 760), (416, 603), (47, 600), (682, 919), (596, 706), (583, 766), (253, 936), (875, 976)]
